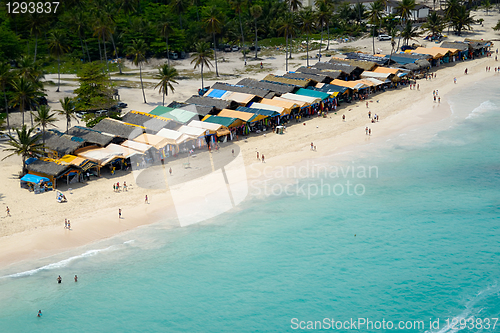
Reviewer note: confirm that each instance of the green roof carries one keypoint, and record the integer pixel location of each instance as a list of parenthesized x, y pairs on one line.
[(160, 110), (224, 121), (312, 93), (179, 115)]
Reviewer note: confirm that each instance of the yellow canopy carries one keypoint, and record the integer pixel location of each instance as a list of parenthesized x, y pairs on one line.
[(386, 70), (245, 116)]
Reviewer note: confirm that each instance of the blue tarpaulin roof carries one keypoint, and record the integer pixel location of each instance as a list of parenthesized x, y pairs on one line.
[(34, 179), (30, 160), (216, 93)]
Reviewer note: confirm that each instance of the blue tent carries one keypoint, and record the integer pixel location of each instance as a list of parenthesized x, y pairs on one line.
[(216, 93), (29, 178)]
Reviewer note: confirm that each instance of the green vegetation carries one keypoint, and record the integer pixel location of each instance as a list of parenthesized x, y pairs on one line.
[(95, 89), (25, 144)]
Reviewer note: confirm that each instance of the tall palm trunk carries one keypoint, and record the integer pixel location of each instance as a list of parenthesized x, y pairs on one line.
[(168, 51), (21, 106), (255, 21), (116, 55), (6, 107), (87, 48), (291, 46), (328, 35), (36, 47), (105, 55), (202, 75), (307, 50), (100, 51), (373, 39), (321, 42), (68, 122), (83, 50), (215, 55), (58, 72), (242, 37), (286, 51), (142, 84)]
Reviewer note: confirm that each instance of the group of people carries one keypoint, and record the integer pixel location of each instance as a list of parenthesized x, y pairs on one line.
[(116, 187), (435, 93), (261, 157), (67, 224)]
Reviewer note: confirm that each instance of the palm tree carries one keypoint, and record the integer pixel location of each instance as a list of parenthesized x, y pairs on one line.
[(44, 118), (167, 76), (306, 25), (295, 6), (25, 94), (101, 30), (6, 77), (213, 26), (286, 26), (450, 11), (202, 57), (179, 6), (25, 143), (375, 16), (36, 28), (165, 27), (256, 12), (30, 70), (462, 19), (79, 22), (405, 8), (323, 17), (409, 32), (434, 25), (359, 10), (138, 51), (238, 6), (57, 46), (487, 5), (68, 111)]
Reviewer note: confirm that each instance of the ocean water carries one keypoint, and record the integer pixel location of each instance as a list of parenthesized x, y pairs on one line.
[(418, 239)]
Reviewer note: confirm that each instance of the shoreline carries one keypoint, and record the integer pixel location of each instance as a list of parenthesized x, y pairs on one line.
[(331, 136)]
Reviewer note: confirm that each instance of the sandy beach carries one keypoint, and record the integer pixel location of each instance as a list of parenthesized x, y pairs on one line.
[(36, 226)]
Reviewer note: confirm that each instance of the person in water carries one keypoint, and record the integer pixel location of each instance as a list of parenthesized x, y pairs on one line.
[(59, 279), (39, 313), (76, 278)]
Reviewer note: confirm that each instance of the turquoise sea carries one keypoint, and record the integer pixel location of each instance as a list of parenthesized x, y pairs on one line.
[(421, 243)]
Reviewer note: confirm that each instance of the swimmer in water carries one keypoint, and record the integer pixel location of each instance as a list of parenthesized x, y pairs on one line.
[(59, 279), (39, 313), (76, 278)]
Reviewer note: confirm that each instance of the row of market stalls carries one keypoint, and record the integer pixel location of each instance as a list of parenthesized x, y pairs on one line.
[(226, 111)]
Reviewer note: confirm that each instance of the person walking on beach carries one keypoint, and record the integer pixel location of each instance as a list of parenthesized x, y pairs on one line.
[(69, 225), (466, 71), (124, 186), (418, 86), (263, 161), (65, 223), (59, 279), (114, 187), (455, 80), (369, 114), (146, 199), (8, 211), (258, 156), (366, 130), (367, 104), (434, 98), (312, 146), (370, 131), (232, 152), (261, 65), (118, 187), (170, 171), (343, 117), (119, 213), (439, 99)]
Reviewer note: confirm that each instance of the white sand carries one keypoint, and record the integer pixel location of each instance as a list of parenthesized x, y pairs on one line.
[(36, 227)]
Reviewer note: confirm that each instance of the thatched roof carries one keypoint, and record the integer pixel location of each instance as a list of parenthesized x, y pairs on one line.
[(329, 74), (153, 124), (339, 67), (90, 135), (201, 110), (61, 143), (365, 65), (462, 46), (314, 77), (302, 83), (242, 89), (218, 104), (48, 168), (118, 128), (276, 87)]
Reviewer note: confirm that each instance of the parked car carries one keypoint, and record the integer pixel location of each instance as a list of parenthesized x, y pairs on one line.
[(121, 105), (384, 37), (227, 48), (235, 48), (173, 55), (80, 114), (252, 48), (101, 113)]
